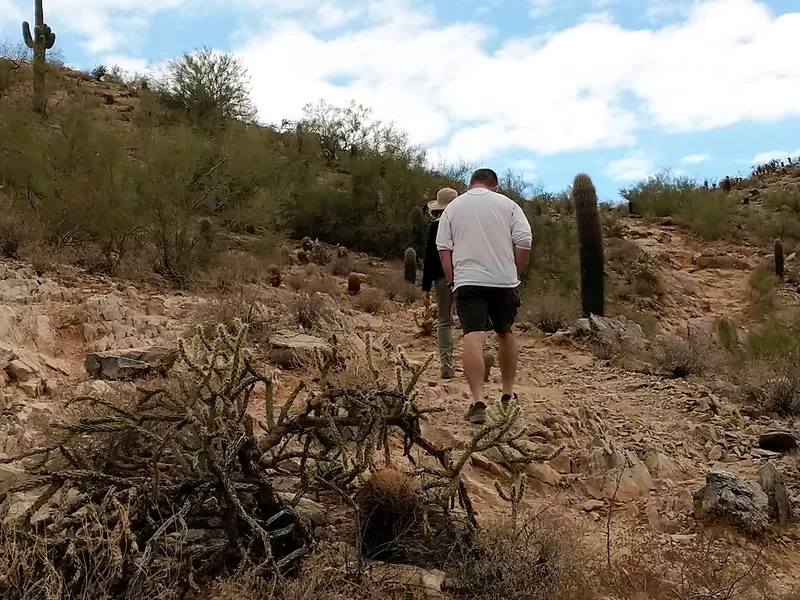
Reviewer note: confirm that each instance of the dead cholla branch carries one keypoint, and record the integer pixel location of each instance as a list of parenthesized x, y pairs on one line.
[(170, 490), (162, 494)]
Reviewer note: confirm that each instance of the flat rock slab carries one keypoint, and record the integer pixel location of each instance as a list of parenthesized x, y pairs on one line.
[(290, 350), (127, 365)]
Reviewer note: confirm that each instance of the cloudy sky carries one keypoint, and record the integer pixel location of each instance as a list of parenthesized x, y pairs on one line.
[(615, 88)]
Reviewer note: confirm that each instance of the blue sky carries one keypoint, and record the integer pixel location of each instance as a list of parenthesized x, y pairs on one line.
[(618, 89)]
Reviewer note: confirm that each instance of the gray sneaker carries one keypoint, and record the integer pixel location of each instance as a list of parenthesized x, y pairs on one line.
[(447, 373), (477, 413)]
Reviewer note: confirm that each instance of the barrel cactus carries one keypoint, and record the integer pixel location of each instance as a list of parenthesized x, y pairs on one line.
[(354, 283), (410, 265), (274, 275), (590, 240)]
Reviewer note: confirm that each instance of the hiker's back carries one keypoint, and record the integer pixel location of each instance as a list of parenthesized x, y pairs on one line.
[(481, 224)]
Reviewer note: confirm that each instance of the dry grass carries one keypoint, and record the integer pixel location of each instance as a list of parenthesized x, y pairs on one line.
[(704, 567), (370, 300), (399, 290), (681, 358), (550, 313), (537, 559)]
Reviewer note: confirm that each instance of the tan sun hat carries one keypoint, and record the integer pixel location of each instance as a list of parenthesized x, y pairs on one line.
[(443, 197)]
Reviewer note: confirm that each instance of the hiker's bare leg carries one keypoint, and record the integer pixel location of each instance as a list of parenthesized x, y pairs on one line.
[(507, 354), (472, 358)]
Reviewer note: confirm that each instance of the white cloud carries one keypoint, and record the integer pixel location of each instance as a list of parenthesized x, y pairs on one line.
[(634, 166), (765, 157), (592, 85), (695, 159)]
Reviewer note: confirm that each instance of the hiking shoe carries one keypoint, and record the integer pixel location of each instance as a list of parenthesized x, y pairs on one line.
[(477, 413), (447, 373), (506, 398)]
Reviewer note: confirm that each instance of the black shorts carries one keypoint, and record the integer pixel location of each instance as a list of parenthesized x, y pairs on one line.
[(486, 308)]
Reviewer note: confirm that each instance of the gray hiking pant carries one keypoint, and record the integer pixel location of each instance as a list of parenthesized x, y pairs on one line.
[(444, 325)]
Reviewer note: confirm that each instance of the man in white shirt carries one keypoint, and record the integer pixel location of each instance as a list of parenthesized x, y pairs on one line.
[(484, 238)]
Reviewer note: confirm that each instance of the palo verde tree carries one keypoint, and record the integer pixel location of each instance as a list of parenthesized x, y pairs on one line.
[(209, 85), (42, 40)]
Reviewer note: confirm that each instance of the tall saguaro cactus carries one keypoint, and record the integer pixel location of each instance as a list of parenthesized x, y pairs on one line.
[(42, 40), (590, 240)]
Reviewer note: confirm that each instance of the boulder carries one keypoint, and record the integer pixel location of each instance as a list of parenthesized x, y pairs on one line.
[(660, 465), (730, 498), (777, 441), (105, 308), (617, 474), (290, 350), (544, 473), (609, 331), (125, 365), (771, 482)]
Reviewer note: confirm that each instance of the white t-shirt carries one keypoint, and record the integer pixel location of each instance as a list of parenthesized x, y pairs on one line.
[(482, 228)]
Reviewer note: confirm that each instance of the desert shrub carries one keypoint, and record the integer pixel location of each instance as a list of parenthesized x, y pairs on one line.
[(764, 284), (370, 300), (707, 212), (207, 84), (706, 566), (342, 266), (326, 285), (527, 560), (549, 312), (399, 290), (681, 358)]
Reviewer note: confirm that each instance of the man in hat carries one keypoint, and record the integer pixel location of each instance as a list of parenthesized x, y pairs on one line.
[(484, 239), (433, 276)]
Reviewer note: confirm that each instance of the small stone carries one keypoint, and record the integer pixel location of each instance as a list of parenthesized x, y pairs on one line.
[(561, 463), (717, 453), (590, 505), (544, 473), (131, 364)]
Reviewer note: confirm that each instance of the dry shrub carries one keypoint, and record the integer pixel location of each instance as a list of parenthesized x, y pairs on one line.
[(682, 358), (326, 575), (390, 506), (325, 285), (371, 300), (240, 307), (550, 312), (703, 567), (775, 394), (310, 311), (342, 266), (537, 559), (231, 270), (400, 290)]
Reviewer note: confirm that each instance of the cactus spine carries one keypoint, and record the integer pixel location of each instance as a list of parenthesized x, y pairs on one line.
[(590, 240), (42, 40), (779, 259), (410, 265)]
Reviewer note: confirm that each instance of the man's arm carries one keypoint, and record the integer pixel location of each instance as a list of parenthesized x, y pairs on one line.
[(521, 236), (446, 256)]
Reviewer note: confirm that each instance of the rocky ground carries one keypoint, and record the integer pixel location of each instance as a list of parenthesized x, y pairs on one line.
[(606, 438)]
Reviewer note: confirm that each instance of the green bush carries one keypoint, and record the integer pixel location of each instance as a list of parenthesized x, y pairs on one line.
[(707, 212)]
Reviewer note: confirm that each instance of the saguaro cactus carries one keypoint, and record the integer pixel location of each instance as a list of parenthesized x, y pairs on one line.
[(590, 240), (779, 259), (42, 40)]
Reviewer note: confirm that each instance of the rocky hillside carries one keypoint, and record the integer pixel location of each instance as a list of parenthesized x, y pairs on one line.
[(145, 452)]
